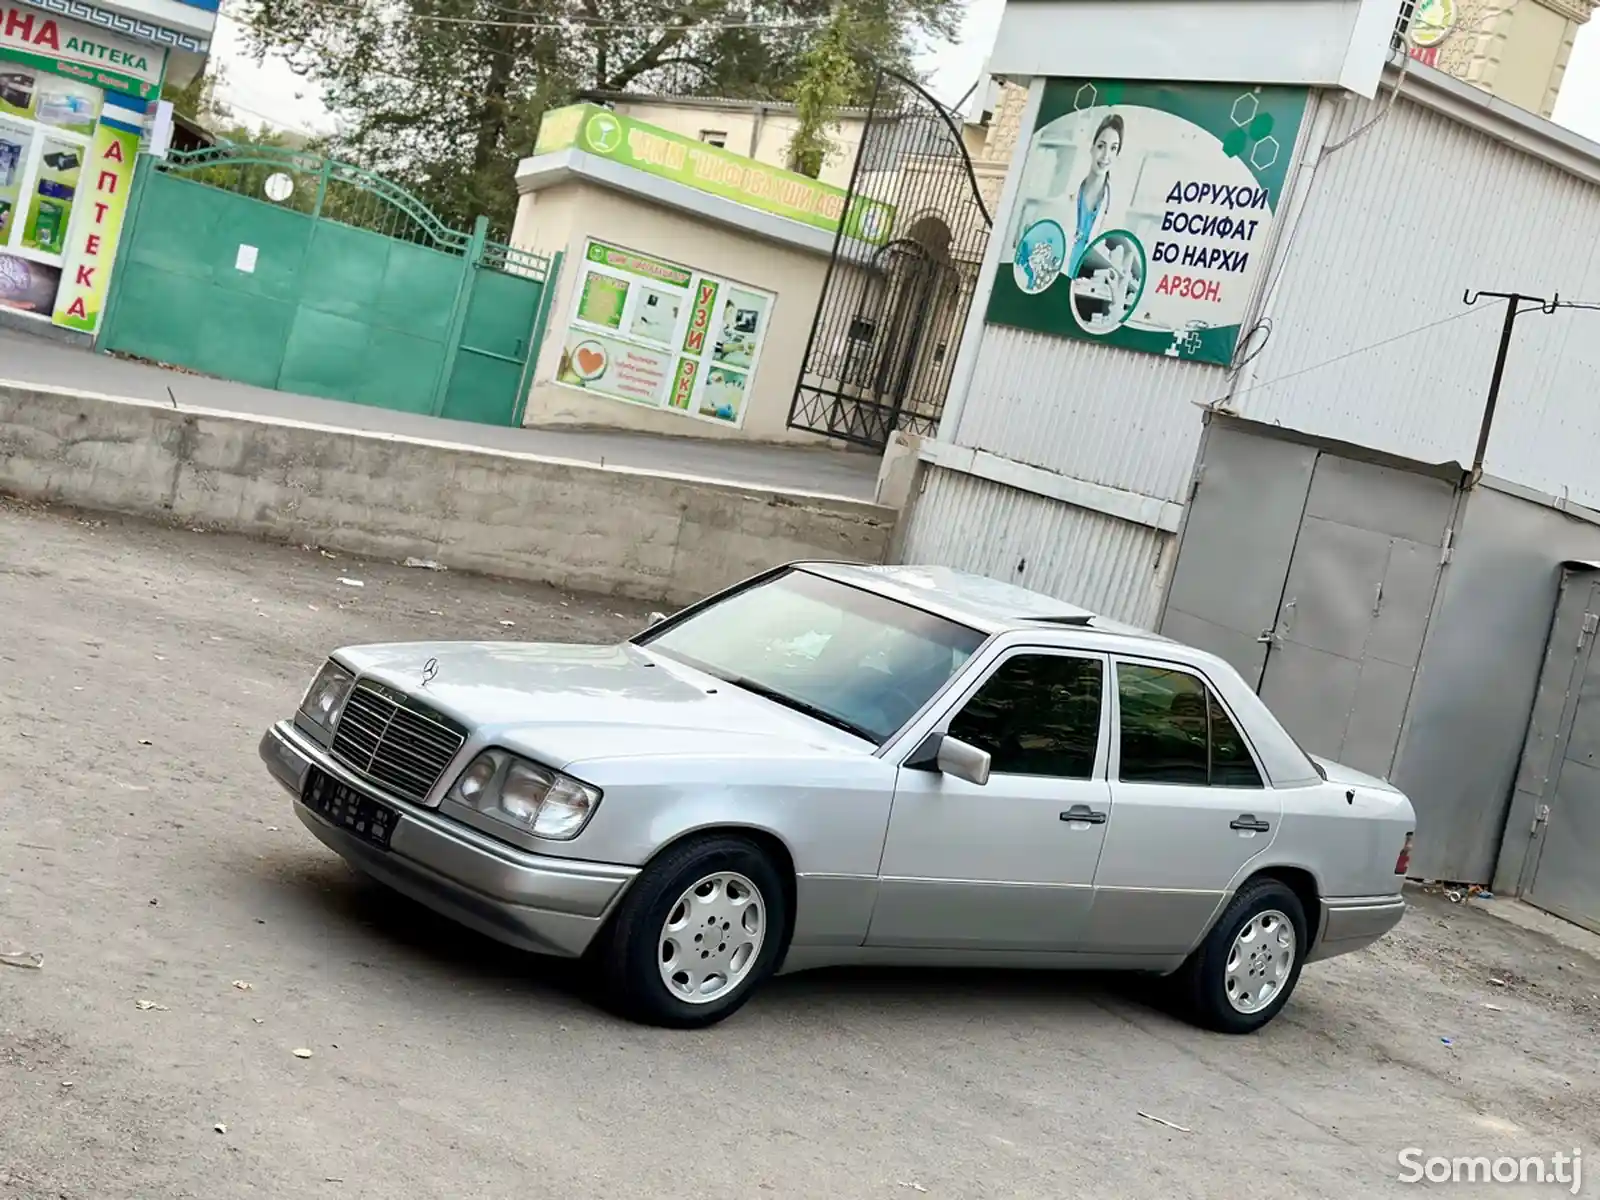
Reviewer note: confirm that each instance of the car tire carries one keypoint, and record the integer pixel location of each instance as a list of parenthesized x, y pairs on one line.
[(693, 891), (1243, 973)]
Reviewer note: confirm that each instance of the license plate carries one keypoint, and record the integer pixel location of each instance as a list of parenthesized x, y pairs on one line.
[(349, 810)]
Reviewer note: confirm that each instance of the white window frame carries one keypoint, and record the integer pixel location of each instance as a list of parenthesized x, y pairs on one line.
[(39, 133)]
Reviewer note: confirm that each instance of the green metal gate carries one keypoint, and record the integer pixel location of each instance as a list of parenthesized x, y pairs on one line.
[(287, 270)]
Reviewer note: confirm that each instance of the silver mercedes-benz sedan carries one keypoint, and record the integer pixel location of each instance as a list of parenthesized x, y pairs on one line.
[(834, 764)]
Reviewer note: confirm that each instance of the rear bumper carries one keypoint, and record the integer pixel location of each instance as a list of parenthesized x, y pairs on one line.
[(1354, 922), (535, 902)]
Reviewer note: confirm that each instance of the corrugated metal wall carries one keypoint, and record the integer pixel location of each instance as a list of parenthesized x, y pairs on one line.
[(1103, 563), (1373, 344), (1086, 410)]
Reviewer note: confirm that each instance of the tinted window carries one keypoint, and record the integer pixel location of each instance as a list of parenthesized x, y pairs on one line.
[(848, 656), (1164, 736), (1231, 764), (1038, 714), (1175, 731)]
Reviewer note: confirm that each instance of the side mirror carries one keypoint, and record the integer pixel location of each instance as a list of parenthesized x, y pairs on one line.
[(963, 761), (656, 618)]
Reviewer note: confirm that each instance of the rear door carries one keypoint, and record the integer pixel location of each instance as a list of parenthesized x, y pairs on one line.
[(1009, 865), (1192, 809)]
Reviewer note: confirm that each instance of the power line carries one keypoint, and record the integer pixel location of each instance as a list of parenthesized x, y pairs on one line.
[(235, 107), (1549, 307), (577, 24), (1388, 341)]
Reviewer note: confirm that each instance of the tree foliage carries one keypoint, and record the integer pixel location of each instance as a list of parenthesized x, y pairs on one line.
[(829, 79), (197, 99), (444, 96)]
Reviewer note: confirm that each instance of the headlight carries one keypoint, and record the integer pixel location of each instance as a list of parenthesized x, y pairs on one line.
[(525, 795), (326, 696)]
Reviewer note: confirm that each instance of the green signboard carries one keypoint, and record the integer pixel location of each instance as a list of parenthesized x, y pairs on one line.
[(33, 37), (713, 170), (1145, 213)]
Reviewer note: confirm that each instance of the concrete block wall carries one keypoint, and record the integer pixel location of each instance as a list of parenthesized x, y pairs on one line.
[(641, 534)]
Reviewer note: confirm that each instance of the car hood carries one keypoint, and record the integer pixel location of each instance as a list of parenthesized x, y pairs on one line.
[(1350, 777), (566, 704)]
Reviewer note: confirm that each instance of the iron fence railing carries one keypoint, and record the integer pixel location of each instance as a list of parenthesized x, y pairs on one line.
[(330, 190), (883, 339)]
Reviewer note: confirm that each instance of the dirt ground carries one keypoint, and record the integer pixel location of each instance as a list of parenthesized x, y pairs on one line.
[(194, 936)]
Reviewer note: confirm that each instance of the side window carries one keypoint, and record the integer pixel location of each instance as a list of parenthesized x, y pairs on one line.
[(1231, 764), (1174, 730), (1037, 714)]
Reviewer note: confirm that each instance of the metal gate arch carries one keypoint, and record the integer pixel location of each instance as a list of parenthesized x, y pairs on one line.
[(883, 339), (288, 270)]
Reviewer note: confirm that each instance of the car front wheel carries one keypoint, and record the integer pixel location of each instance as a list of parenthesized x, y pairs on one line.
[(1242, 975), (698, 931)]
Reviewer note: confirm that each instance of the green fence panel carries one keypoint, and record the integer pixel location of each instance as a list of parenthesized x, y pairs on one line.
[(343, 286), (496, 341)]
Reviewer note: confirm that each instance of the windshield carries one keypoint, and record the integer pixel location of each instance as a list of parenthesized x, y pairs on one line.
[(846, 656)]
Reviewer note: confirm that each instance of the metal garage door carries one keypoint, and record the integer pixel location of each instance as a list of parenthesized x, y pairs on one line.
[(1314, 575), (1561, 762)]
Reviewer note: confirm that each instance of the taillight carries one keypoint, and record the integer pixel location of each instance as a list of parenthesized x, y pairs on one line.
[(1402, 865)]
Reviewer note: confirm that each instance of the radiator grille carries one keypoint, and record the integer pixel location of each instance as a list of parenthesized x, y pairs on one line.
[(395, 742)]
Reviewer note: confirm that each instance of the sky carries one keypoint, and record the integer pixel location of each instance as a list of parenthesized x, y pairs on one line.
[(270, 93)]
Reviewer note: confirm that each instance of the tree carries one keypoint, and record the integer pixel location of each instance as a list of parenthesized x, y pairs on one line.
[(444, 96), (829, 79), (197, 99)]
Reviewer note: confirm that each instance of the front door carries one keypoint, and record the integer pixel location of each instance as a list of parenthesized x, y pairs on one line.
[(1009, 865), (1190, 812)]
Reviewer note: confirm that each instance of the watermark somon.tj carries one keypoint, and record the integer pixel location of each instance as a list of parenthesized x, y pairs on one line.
[(1562, 1169)]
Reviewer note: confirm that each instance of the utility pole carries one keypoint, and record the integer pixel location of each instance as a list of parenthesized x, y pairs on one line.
[(1514, 309)]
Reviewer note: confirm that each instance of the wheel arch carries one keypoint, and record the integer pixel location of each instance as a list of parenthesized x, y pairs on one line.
[(1303, 882), (769, 842)]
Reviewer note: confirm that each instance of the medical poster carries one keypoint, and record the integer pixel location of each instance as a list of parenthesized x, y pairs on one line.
[(652, 332), (1145, 213)]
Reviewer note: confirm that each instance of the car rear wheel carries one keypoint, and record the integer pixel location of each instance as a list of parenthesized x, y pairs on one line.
[(1242, 975), (698, 931)]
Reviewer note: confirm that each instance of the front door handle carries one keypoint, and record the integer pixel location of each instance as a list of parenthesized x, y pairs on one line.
[(1082, 812), (1247, 823)]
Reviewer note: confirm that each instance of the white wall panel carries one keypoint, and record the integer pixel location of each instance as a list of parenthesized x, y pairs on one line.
[(1102, 563), (1399, 223), (1108, 416), (1324, 42)]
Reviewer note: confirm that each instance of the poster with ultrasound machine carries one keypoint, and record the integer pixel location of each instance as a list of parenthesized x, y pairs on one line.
[(660, 334), (1145, 213)]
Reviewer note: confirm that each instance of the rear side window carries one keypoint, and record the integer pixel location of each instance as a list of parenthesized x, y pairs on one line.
[(1173, 730), (1231, 764)]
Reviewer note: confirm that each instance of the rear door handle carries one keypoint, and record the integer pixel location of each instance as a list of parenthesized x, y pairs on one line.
[(1082, 812), (1247, 823)]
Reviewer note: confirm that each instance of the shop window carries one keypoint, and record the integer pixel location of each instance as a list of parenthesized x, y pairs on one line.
[(46, 123), (16, 141), (55, 187)]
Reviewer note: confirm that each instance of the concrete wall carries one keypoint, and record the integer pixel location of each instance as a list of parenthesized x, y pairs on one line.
[(634, 533), (561, 217), (1534, 56)]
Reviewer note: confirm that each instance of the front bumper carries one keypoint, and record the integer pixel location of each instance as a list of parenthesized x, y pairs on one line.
[(535, 902)]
